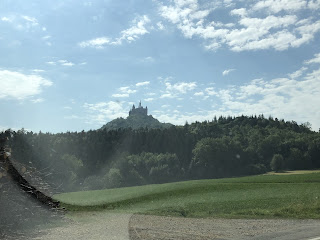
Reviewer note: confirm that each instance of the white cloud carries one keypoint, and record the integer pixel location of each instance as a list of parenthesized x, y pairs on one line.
[(257, 34), (174, 90), (165, 106), (100, 113), (181, 87), (133, 33), (199, 94), (247, 32), (316, 59), (95, 43), (227, 71), (127, 90), (29, 22), (297, 73), (148, 59), (167, 95), (240, 11), (38, 70), (46, 37), (68, 64), (22, 22), (38, 100), (210, 91), (314, 4), (160, 25), (20, 86), (129, 35), (228, 3), (276, 6), (120, 95), (139, 84), (124, 92), (30, 19), (123, 89), (6, 19), (148, 99), (61, 62)]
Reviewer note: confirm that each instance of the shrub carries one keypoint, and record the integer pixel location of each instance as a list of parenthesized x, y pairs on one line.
[(277, 162), (114, 178)]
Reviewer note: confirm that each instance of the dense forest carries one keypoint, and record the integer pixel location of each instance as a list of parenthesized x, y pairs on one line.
[(223, 147)]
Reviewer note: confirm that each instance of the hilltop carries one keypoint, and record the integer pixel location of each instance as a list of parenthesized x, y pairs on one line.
[(138, 118), (135, 122)]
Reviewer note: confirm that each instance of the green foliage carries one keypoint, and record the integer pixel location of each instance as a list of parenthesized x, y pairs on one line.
[(256, 169), (94, 182), (216, 157), (314, 151), (154, 168), (277, 163), (114, 178), (70, 163)]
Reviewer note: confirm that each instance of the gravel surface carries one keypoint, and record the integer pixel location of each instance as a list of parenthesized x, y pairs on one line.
[(157, 227), (120, 226), (90, 225)]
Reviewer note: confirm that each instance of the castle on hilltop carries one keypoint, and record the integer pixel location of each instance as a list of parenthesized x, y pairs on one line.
[(139, 110)]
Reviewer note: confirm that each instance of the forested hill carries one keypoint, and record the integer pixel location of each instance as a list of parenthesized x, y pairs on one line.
[(223, 147), (135, 122)]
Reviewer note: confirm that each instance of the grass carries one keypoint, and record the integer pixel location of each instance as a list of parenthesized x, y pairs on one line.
[(263, 196)]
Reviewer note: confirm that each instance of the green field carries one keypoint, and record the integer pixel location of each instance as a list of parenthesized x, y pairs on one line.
[(263, 196)]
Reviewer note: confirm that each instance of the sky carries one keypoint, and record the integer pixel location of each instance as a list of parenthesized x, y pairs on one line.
[(75, 65)]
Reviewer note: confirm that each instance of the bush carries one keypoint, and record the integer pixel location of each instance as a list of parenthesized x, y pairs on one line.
[(277, 163), (114, 178), (93, 183)]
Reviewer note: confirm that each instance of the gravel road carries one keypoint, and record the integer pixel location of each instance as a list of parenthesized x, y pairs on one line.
[(157, 227), (120, 226), (90, 225)]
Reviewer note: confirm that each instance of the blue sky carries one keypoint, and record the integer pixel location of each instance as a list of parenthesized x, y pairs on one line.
[(75, 65)]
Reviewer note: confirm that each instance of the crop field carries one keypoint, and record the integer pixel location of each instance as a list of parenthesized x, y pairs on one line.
[(262, 196)]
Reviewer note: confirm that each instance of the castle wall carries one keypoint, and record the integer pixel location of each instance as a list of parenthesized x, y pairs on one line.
[(138, 111)]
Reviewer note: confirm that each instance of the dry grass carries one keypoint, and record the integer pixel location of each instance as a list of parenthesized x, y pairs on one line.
[(293, 172)]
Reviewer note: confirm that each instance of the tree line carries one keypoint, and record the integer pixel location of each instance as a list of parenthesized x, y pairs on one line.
[(223, 147)]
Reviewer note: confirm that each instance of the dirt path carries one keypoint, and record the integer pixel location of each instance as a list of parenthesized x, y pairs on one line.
[(120, 226), (90, 225), (156, 228)]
